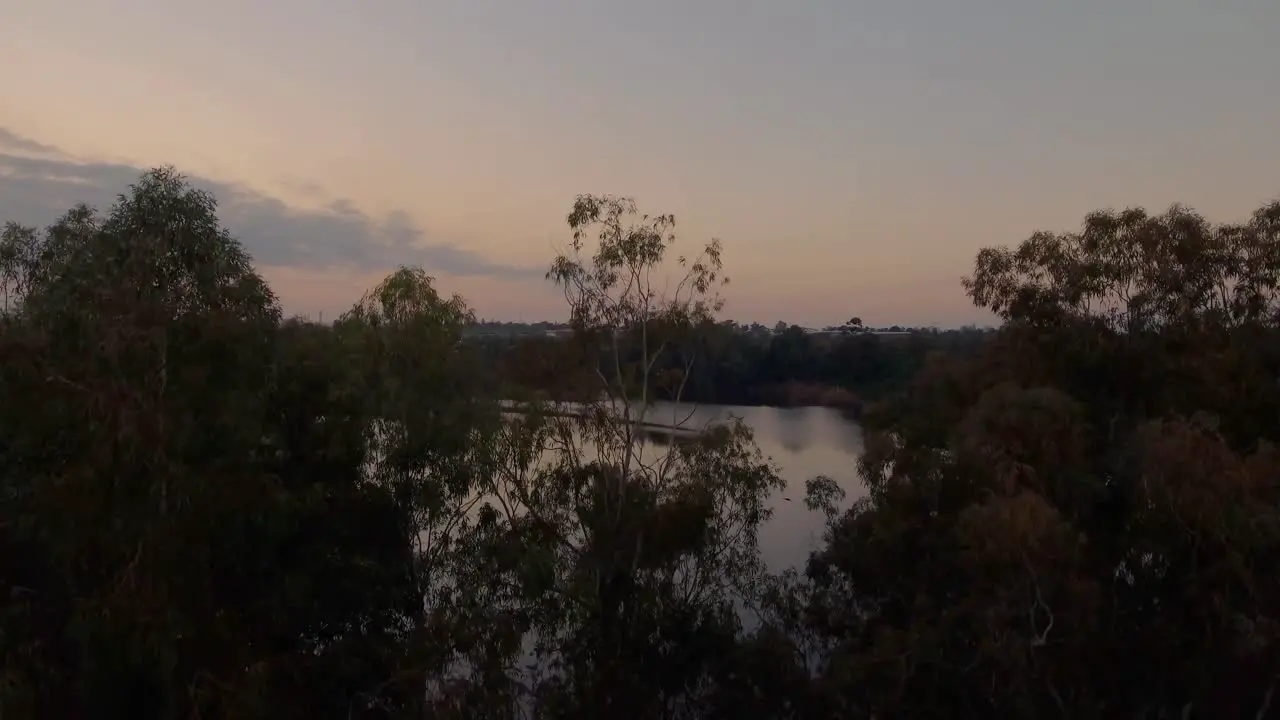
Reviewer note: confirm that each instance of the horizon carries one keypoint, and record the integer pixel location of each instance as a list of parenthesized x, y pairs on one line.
[(321, 318), (853, 159)]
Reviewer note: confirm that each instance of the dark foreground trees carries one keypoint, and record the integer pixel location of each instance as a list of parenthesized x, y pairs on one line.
[(1084, 521), (185, 528), (208, 512)]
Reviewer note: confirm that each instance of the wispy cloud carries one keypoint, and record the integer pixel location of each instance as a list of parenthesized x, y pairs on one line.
[(13, 141), (39, 182)]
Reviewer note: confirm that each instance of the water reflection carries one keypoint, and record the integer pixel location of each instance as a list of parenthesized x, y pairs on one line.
[(802, 443), (793, 428)]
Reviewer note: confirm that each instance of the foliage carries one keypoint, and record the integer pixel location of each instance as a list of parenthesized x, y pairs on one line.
[(1081, 521), (206, 511), (142, 354), (625, 561), (742, 365), (191, 523)]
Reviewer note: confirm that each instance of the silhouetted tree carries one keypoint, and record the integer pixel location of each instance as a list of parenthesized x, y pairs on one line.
[(1081, 521)]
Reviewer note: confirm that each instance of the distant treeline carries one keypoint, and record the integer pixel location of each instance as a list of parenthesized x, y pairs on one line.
[(547, 328), (732, 364)]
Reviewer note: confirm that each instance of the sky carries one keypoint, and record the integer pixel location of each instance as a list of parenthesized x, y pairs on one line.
[(851, 156)]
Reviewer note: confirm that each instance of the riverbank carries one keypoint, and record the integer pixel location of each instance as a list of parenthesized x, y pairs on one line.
[(800, 394), (789, 394), (570, 411)]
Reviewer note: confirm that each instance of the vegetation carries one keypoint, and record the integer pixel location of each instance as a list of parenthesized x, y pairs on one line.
[(1082, 521), (209, 511), (846, 367)]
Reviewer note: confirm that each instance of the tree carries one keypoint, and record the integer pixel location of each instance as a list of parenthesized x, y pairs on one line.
[(1077, 521), (427, 415), (205, 512), (625, 560), (141, 347)]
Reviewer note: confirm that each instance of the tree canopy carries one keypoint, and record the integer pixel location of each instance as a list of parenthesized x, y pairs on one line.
[(209, 511), (1081, 521)]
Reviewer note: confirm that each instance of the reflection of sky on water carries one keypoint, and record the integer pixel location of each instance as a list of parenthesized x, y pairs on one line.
[(802, 443), (793, 428)]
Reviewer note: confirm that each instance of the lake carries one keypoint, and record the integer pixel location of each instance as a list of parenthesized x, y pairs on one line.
[(802, 443)]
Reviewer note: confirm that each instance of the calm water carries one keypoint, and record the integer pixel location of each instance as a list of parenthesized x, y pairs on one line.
[(802, 443)]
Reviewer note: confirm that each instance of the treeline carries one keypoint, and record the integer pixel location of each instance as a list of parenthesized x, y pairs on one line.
[(500, 328), (732, 365), (209, 512)]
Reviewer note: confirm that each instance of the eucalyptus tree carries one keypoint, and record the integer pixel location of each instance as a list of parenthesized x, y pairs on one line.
[(18, 246), (1080, 520), (625, 561), (141, 345), (186, 526), (425, 405), (426, 414)]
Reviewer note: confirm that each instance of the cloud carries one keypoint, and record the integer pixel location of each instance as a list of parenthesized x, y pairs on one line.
[(39, 182), (14, 141)]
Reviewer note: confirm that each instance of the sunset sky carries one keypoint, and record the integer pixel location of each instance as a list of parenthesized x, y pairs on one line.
[(852, 156)]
